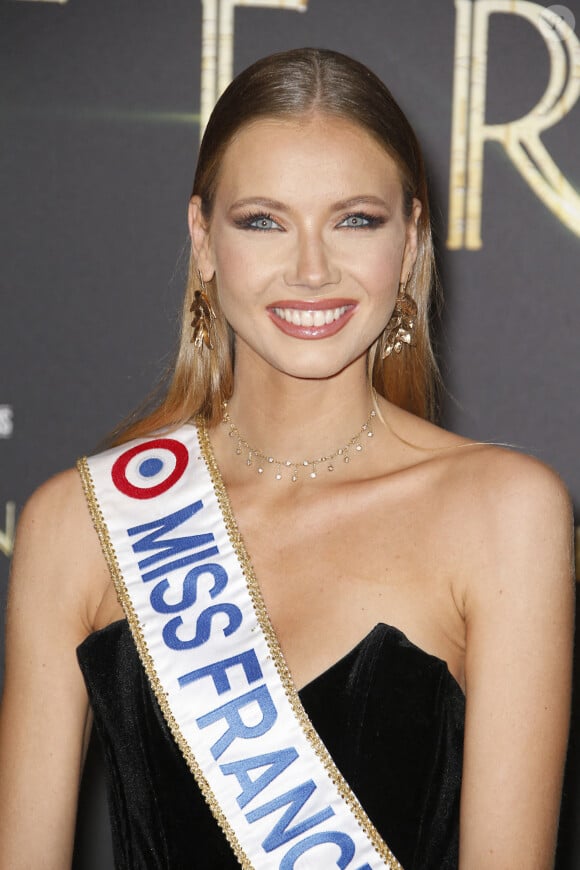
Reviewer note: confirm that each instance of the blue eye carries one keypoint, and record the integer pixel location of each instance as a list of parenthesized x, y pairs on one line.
[(261, 222), (264, 223), (361, 221)]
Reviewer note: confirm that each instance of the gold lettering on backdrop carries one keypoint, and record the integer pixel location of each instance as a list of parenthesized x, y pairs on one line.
[(7, 535), (520, 138), (217, 46)]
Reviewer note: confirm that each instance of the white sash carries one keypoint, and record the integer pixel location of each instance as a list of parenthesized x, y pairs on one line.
[(203, 634)]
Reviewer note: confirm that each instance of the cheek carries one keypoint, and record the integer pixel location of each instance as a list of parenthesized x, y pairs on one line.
[(237, 263), (380, 271), (235, 280)]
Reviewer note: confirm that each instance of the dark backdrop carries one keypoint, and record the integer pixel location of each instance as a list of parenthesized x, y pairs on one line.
[(100, 106)]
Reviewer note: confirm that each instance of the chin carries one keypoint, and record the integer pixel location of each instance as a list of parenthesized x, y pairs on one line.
[(314, 367), (312, 360)]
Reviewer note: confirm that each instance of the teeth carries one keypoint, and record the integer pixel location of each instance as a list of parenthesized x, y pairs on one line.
[(319, 317)]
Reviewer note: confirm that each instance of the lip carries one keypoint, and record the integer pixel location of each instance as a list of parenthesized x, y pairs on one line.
[(312, 332)]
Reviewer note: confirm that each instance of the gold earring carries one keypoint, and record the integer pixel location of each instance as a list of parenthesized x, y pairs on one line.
[(400, 328), (203, 315)]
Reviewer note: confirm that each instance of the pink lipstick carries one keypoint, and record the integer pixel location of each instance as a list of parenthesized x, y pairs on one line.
[(311, 320)]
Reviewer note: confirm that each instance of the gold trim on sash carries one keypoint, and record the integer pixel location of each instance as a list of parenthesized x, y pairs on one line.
[(278, 658), (147, 662)]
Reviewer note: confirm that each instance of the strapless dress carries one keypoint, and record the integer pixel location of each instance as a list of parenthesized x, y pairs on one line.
[(391, 715)]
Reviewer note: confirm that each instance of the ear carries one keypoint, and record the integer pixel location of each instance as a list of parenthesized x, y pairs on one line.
[(410, 252), (199, 232)]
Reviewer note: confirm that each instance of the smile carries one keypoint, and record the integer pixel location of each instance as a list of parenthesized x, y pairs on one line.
[(312, 320)]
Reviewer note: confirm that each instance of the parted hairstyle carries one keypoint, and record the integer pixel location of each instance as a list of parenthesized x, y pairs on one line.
[(293, 84)]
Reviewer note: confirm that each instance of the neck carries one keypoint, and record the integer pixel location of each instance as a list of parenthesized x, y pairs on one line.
[(299, 419)]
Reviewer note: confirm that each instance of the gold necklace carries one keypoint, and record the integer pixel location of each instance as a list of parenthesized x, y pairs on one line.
[(262, 460)]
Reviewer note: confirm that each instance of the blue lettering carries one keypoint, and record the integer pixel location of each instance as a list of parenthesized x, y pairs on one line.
[(218, 671), (236, 727), (343, 841), (296, 797), (178, 563), (276, 762), (171, 546), (159, 603), (203, 630)]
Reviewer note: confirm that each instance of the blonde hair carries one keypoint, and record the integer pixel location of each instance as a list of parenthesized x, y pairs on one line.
[(291, 84)]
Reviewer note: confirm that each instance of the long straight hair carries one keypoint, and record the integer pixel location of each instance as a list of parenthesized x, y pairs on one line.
[(293, 84)]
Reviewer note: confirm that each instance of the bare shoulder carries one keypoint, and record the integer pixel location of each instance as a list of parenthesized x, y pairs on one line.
[(58, 498), (500, 512), (57, 514), (57, 549), (515, 518), (508, 490), (486, 480)]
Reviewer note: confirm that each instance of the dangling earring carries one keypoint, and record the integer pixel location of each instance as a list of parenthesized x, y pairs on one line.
[(203, 315), (399, 330)]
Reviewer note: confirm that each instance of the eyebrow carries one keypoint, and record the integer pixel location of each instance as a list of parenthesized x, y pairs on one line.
[(259, 200), (276, 205), (361, 200)]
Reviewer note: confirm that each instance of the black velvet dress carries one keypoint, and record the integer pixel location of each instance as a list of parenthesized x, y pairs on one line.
[(391, 716)]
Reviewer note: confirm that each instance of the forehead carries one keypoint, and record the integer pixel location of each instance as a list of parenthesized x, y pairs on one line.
[(317, 155)]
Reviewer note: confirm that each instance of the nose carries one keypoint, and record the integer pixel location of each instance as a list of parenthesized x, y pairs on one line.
[(312, 265)]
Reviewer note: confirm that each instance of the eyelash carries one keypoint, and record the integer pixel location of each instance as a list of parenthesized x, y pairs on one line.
[(248, 221), (372, 221)]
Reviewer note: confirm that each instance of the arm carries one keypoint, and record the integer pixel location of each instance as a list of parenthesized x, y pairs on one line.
[(44, 713), (519, 618)]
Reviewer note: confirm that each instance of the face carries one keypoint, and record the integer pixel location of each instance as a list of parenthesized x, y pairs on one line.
[(308, 243)]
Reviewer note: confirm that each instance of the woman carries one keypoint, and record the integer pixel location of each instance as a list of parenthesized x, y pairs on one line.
[(417, 584)]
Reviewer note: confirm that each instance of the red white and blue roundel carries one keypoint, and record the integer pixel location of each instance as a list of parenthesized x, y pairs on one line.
[(150, 469)]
